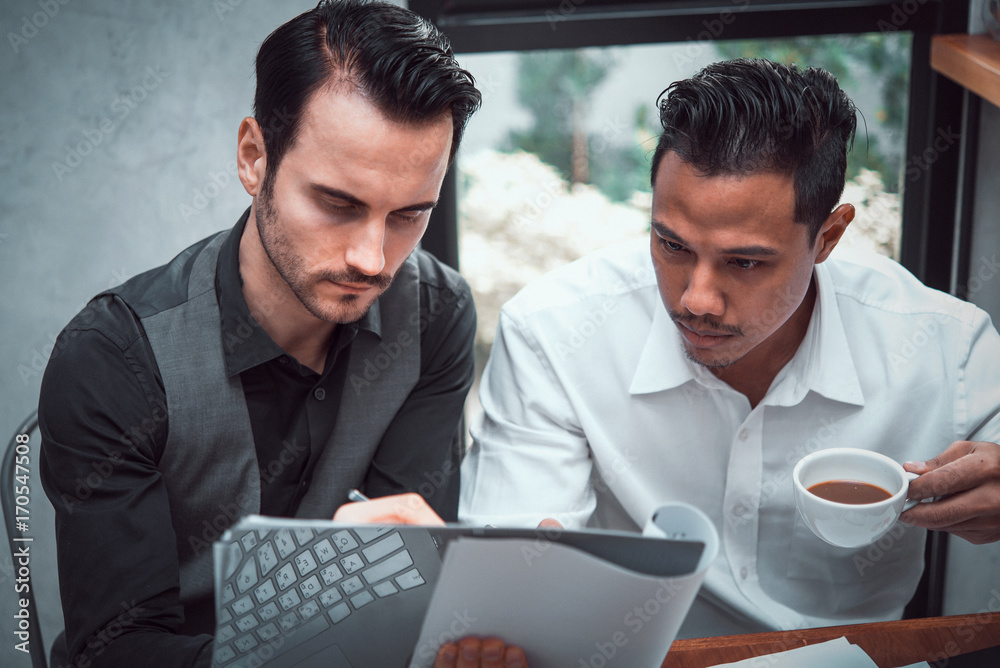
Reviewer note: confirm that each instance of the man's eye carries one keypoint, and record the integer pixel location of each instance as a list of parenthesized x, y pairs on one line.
[(408, 216), (743, 263), (671, 245)]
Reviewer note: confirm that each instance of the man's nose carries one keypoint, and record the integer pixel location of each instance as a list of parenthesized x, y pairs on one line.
[(702, 296), (365, 250)]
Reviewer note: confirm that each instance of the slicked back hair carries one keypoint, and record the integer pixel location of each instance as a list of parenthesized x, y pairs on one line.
[(397, 60), (747, 116)]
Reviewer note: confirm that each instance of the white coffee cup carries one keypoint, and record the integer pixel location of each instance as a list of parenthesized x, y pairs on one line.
[(850, 524)]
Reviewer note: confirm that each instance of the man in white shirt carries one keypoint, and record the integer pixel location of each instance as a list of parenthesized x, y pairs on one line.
[(702, 367)]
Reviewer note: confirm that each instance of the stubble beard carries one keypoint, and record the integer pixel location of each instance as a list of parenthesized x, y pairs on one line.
[(721, 363), (293, 272)]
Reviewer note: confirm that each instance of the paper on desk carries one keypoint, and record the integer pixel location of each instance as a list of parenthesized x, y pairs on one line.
[(837, 653), (564, 607)]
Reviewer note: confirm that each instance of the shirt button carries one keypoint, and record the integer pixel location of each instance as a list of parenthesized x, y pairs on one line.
[(319, 393), (743, 572), (282, 360), (743, 434)]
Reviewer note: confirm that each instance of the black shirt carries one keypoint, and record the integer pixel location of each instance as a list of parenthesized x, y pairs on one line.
[(103, 421)]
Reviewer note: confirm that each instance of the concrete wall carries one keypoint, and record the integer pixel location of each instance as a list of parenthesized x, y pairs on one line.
[(115, 115)]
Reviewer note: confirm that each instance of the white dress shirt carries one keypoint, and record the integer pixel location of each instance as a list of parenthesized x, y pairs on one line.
[(594, 416)]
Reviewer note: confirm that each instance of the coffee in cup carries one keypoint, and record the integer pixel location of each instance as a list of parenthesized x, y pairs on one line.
[(850, 497)]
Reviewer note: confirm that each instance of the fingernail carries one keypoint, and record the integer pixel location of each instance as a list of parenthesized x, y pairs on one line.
[(470, 653), (491, 653)]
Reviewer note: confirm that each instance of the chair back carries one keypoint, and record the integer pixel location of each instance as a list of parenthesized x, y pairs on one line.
[(30, 526)]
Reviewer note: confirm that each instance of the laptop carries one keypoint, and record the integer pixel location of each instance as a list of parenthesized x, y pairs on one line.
[(293, 592)]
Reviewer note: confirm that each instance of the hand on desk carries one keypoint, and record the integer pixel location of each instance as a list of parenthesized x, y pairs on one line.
[(967, 476), (471, 652), (396, 509)]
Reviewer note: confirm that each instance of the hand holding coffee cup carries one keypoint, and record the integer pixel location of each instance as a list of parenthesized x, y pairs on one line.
[(850, 497)]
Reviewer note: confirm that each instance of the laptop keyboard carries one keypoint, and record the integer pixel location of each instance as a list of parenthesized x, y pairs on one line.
[(295, 583)]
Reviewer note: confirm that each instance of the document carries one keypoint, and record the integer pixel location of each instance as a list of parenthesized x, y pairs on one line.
[(563, 606), (837, 653)]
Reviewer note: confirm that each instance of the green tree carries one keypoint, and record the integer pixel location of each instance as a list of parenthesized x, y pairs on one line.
[(555, 87)]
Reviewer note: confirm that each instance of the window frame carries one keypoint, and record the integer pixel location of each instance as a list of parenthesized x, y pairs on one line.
[(929, 198)]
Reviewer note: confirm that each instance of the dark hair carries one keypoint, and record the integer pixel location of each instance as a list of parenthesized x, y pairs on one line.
[(399, 61), (739, 117)]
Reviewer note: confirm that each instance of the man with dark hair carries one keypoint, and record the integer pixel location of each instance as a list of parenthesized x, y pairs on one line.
[(272, 367), (702, 367)]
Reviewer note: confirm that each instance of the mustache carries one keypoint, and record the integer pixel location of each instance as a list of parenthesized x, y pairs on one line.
[(705, 323), (354, 276)]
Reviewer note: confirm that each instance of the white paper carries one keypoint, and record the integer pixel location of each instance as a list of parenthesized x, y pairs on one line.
[(837, 653), (564, 607)]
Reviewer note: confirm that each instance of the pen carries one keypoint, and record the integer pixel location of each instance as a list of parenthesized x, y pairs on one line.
[(355, 495)]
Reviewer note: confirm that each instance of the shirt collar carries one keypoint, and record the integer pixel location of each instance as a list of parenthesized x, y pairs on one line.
[(823, 362), (245, 344), (662, 364)]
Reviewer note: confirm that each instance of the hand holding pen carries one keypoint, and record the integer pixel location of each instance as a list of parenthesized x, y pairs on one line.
[(409, 508)]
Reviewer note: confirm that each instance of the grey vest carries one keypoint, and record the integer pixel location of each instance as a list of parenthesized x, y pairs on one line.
[(209, 463)]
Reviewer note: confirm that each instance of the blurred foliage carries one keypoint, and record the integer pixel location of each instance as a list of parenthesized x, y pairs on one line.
[(554, 86), (874, 70)]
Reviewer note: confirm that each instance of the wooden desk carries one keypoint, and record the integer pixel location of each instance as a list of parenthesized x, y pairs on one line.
[(889, 644)]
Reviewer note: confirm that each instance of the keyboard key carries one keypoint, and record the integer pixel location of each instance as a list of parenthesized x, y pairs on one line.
[(303, 536), (364, 598), (233, 556), (249, 539), (305, 562), (329, 597), (325, 551), (224, 616), (225, 634), (248, 576), (228, 594), (331, 574), (344, 541), (242, 606), (352, 562), (309, 609), (368, 534), (283, 541), (384, 589), (267, 558), (268, 632), (383, 548), (223, 654), (265, 592), (285, 544), (269, 611), (244, 624), (339, 612), (352, 585), (289, 599), (390, 566), (288, 622), (285, 577), (410, 579), (246, 643), (310, 587)]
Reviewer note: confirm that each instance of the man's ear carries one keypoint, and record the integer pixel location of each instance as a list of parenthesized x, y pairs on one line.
[(251, 158), (832, 230)]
